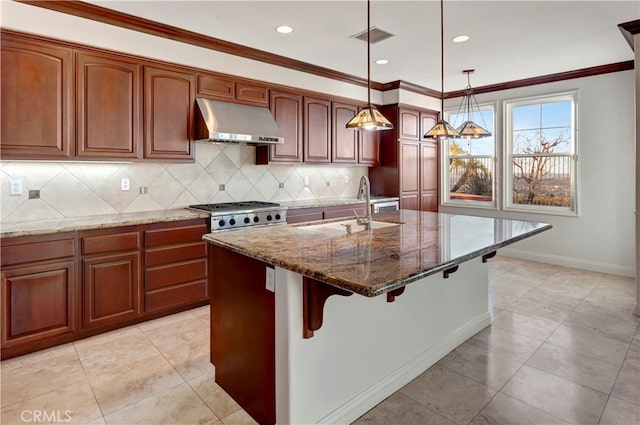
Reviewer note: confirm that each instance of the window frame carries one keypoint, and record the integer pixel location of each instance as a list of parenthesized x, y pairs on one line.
[(507, 154), (445, 175)]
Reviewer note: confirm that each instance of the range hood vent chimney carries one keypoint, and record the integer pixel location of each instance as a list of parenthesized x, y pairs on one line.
[(236, 123)]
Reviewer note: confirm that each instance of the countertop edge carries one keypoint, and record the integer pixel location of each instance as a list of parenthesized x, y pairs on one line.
[(109, 221)]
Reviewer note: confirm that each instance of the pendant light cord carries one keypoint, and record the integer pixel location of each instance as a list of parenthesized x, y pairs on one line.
[(442, 59), (369, 54)]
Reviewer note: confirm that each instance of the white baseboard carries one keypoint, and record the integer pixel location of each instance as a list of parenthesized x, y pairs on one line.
[(365, 401), (577, 263)]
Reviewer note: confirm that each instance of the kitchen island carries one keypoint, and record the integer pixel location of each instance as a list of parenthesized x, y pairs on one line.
[(312, 324)]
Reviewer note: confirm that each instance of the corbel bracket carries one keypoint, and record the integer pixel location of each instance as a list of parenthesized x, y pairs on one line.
[(488, 256), (452, 270), (314, 295), (391, 295)]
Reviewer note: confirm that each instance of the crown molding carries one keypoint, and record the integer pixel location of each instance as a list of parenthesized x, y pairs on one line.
[(628, 30), (549, 78)]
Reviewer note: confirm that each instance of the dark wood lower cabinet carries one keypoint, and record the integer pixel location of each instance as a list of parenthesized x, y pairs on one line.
[(301, 215), (37, 303), (243, 332), (111, 290), (62, 287)]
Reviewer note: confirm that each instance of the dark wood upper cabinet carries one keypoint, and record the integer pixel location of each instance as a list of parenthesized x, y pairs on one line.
[(344, 140), (427, 121), (228, 89), (108, 107), (369, 148), (215, 87), (37, 100), (252, 94), (287, 111), (409, 124), (168, 114), (317, 130)]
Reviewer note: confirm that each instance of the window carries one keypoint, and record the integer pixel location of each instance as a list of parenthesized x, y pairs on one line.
[(540, 154), (471, 177)]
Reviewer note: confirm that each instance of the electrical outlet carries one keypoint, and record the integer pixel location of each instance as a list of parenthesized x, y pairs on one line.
[(125, 184), (270, 279), (346, 179), (15, 187), (305, 179)]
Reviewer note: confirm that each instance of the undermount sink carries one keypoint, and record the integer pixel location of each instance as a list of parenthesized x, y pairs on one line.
[(340, 227)]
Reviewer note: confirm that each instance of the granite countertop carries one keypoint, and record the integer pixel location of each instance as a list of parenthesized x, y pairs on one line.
[(40, 227), (331, 202), (374, 262)]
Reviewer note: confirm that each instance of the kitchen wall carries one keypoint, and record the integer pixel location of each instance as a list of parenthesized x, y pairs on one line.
[(79, 189), (601, 238)]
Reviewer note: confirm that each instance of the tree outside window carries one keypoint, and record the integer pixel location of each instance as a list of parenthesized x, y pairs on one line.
[(540, 163)]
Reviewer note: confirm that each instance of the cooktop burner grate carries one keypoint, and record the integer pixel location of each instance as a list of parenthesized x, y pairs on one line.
[(234, 206)]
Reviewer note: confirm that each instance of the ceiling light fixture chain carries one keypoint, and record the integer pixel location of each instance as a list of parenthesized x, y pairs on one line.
[(369, 118), (469, 129), (442, 130)]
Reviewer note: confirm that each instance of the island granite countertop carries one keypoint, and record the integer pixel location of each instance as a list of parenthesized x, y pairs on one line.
[(71, 224), (374, 262)]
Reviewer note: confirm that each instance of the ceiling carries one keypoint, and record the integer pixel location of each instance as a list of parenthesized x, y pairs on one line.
[(510, 40)]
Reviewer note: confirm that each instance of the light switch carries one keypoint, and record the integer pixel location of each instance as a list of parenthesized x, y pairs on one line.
[(306, 180), (125, 184), (15, 187)]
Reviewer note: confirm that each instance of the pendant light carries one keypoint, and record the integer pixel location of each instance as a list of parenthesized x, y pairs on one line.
[(369, 118), (469, 129), (442, 129)]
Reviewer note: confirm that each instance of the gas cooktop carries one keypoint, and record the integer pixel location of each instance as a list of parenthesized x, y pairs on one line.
[(235, 215)]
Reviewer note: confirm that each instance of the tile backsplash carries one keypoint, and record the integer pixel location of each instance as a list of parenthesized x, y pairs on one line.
[(221, 173)]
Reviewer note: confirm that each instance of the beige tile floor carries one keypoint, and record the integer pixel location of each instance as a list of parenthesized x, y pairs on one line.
[(563, 348)]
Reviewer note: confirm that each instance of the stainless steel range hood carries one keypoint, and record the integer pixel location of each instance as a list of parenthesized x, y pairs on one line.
[(236, 123)]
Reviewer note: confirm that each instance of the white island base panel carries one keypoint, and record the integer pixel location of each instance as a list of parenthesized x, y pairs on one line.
[(368, 348)]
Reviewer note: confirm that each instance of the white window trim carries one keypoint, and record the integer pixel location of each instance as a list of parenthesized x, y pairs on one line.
[(507, 163), (444, 177)]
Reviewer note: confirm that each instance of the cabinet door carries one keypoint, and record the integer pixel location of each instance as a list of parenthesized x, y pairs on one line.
[(109, 107), (168, 114), (37, 303), (429, 176), (409, 124), (345, 140), (214, 87), (110, 286), (37, 100), (252, 94), (369, 149), (287, 111), (317, 130), (427, 121), (409, 175)]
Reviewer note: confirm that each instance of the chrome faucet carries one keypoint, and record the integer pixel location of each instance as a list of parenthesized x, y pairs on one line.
[(364, 192)]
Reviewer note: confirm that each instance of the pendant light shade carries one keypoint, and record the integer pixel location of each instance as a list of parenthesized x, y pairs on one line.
[(442, 129), (369, 118), (469, 129)]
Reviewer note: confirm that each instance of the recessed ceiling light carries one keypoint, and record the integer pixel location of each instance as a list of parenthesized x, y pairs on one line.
[(460, 38), (382, 61), (284, 29)]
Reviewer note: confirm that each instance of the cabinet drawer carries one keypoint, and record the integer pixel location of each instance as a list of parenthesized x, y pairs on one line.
[(159, 256), (176, 295), (100, 244), (34, 251), (172, 235), (160, 277)]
